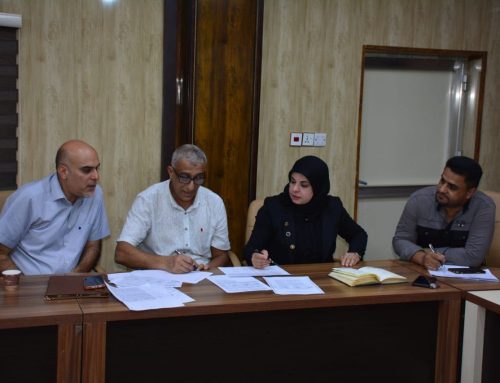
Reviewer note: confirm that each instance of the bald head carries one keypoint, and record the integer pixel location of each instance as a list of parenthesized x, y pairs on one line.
[(70, 148), (77, 165)]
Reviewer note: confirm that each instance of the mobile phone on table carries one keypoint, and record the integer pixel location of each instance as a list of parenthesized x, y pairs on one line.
[(93, 282), (424, 281), (466, 270)]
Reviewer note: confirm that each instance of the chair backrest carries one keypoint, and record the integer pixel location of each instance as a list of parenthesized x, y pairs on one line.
[(493, 256), (254, 207)]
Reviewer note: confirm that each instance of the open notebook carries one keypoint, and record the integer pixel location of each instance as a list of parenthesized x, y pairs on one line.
[(71, 286), (365, 276)]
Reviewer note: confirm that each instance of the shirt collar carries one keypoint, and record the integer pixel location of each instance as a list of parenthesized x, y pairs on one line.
[(174, 203), (56, 192)]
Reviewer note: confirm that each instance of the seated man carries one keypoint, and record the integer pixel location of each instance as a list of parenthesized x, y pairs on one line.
[(450, 223), (176, 225), (55, 225)]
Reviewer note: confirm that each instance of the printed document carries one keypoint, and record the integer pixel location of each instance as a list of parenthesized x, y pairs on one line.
[(250, 271), (156, 277), (443, 272), (147, 297), (238, 284), (293, 285)]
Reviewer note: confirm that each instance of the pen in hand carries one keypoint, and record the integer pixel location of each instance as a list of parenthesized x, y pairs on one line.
[(268, 259), (435, 252), (195, 266)]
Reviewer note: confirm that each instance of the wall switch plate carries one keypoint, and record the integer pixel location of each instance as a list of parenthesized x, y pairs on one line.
[(295, 139), (307, 139), (320, 139)]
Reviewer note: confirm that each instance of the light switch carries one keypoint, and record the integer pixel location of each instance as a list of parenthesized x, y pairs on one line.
[(320, 139), (295, 139), (308, 139)]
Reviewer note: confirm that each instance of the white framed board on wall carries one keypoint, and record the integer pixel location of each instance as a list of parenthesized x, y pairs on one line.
[(405, 137)]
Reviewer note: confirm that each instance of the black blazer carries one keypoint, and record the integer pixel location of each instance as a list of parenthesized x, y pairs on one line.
[(274, 231)]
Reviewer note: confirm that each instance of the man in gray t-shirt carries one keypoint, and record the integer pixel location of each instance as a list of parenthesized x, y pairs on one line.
[(452, 222)]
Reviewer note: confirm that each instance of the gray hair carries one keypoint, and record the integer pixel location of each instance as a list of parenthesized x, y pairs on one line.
[(191, 153)]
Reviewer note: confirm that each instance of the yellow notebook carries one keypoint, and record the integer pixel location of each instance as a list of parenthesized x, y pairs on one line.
[(365, 276)]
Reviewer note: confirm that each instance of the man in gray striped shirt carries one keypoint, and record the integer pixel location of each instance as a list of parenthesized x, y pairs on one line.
[(176, 225)]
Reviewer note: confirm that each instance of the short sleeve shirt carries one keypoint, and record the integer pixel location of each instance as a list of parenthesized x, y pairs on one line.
[(157, 224), (45, 231)]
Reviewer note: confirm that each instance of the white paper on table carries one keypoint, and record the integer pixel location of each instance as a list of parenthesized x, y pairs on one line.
[(238, 284), (293, 285), (443, 272), (156, 277), (148, 297), (250, 271)]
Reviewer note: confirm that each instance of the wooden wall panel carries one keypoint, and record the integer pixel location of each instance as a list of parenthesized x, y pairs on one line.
[(92, 72), (311, 68), (84, 67)]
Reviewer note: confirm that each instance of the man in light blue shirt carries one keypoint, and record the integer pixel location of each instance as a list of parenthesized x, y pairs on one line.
[(56, 224)]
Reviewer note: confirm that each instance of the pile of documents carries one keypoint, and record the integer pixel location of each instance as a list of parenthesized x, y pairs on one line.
[(152, 289), (443, 271), (155, 289)]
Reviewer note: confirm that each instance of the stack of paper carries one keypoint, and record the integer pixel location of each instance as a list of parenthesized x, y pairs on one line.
[(443, 271), (152, 289)]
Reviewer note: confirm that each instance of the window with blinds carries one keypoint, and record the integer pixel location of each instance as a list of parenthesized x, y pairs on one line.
[(8, 107)]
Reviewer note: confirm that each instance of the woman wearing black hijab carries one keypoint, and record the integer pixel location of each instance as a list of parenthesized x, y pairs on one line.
[(301, 224)]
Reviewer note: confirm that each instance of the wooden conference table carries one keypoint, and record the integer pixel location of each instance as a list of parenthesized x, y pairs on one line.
[(481, 327), (390, 333), (39, 341), (481, 346), (378, 333)]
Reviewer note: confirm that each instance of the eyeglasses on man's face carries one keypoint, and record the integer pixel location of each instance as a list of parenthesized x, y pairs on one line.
[(183, 178)]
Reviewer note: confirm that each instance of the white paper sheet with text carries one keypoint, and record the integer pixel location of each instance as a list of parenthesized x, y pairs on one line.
[(443, 271), (250, 271), (238, 284), (156, 277), (148, 297), (293, 285)]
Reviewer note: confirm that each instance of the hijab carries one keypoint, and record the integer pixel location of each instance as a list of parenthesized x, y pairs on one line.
[(316, 172), (308, 217)]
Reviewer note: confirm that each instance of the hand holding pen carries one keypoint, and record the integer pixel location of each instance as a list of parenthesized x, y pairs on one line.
[(260, 259), (433, 260), (179, 262)]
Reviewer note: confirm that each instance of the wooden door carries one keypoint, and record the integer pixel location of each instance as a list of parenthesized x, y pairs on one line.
[(220, 56)]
